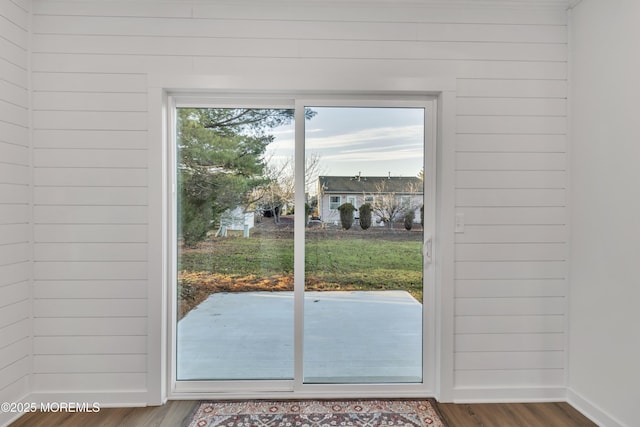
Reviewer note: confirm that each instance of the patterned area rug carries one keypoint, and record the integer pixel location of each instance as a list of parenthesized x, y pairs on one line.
[(316, 413)]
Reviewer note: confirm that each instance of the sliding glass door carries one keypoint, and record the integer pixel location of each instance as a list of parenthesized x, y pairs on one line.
[(363, 245), (234, 243), (302, 245)]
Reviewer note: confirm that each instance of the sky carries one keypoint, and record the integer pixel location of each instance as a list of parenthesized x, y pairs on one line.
[(370, 141)]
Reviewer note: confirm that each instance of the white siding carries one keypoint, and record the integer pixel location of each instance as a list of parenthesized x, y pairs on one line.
[(90, 64), (15, 180)]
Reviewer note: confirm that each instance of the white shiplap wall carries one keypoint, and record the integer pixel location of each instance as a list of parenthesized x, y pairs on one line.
[(90, 65), (15, 227)]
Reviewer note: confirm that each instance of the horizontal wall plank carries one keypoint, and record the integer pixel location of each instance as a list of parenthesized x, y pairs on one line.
[(510, 378), (13, 153), (14, 94), (510, 306), (13, 313), (113, 9), (75, 81), (14, 293), (77, 364), (220, 28), (374, 12), (510, 270), (510, 288), (14, 273), (14, 233), (512, 88), (109, 64), (89, 382), (512, 324), (514, 215), (90, 139), (292, 11), (90, 252), (14, 14), (90, 177), (419, 50), (14, 352), (15, 332), (13, 53), (14, 174), (91, 215), (14, 380), (16, 114), (84, 101), (89, 326), (23, 4), (172, 46), (81, 158), (14, 74), (12, 139), (509, 360), (88, 196), (90, 289), (90, 233), (493, 33), (510, 252), (86, 120), (512, 125), (90, 345), (509, 342), (123, 64), (17, 194), (89, 270), (417, 68), (15, 377), (14, 214), (511, 107), (513, 234), (511, 161), (511, 179), (89, 308), (510, 197), (317, 30)]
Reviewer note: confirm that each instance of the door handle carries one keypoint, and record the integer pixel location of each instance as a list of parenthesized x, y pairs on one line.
[(427, 249)]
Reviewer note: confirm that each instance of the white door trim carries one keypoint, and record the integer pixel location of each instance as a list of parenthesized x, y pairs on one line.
[(160, 185)]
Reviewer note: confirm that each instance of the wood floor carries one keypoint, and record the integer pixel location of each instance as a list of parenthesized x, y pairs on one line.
[(175, 413)]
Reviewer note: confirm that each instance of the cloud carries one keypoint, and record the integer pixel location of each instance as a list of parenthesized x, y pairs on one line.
[(392, 135)]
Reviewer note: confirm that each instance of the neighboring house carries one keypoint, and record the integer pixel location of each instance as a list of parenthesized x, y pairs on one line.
[(389, 195)]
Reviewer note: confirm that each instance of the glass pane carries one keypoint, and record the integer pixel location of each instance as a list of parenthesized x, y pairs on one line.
[(235, 244), (363, 245)]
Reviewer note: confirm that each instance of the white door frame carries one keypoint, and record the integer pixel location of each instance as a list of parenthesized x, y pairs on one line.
[(438, 380)]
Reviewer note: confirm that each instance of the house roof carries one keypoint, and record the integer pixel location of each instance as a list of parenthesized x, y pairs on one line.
[(370, 184)]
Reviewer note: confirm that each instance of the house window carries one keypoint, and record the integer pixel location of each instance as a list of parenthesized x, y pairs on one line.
[(405, 202), (368, 199), (334, 202)]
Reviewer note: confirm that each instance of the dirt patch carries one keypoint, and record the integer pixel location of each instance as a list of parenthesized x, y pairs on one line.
[(195, 287)]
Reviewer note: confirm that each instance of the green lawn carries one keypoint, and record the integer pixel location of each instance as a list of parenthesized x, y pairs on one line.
[(334, 262)]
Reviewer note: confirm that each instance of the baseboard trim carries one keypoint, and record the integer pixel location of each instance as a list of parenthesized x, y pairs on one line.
[(509, 394), (78, 399), (6, 418), (116, 399), (591, 410)]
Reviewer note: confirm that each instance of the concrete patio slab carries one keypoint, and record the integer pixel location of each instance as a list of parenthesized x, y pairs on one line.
[(350, 337)]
